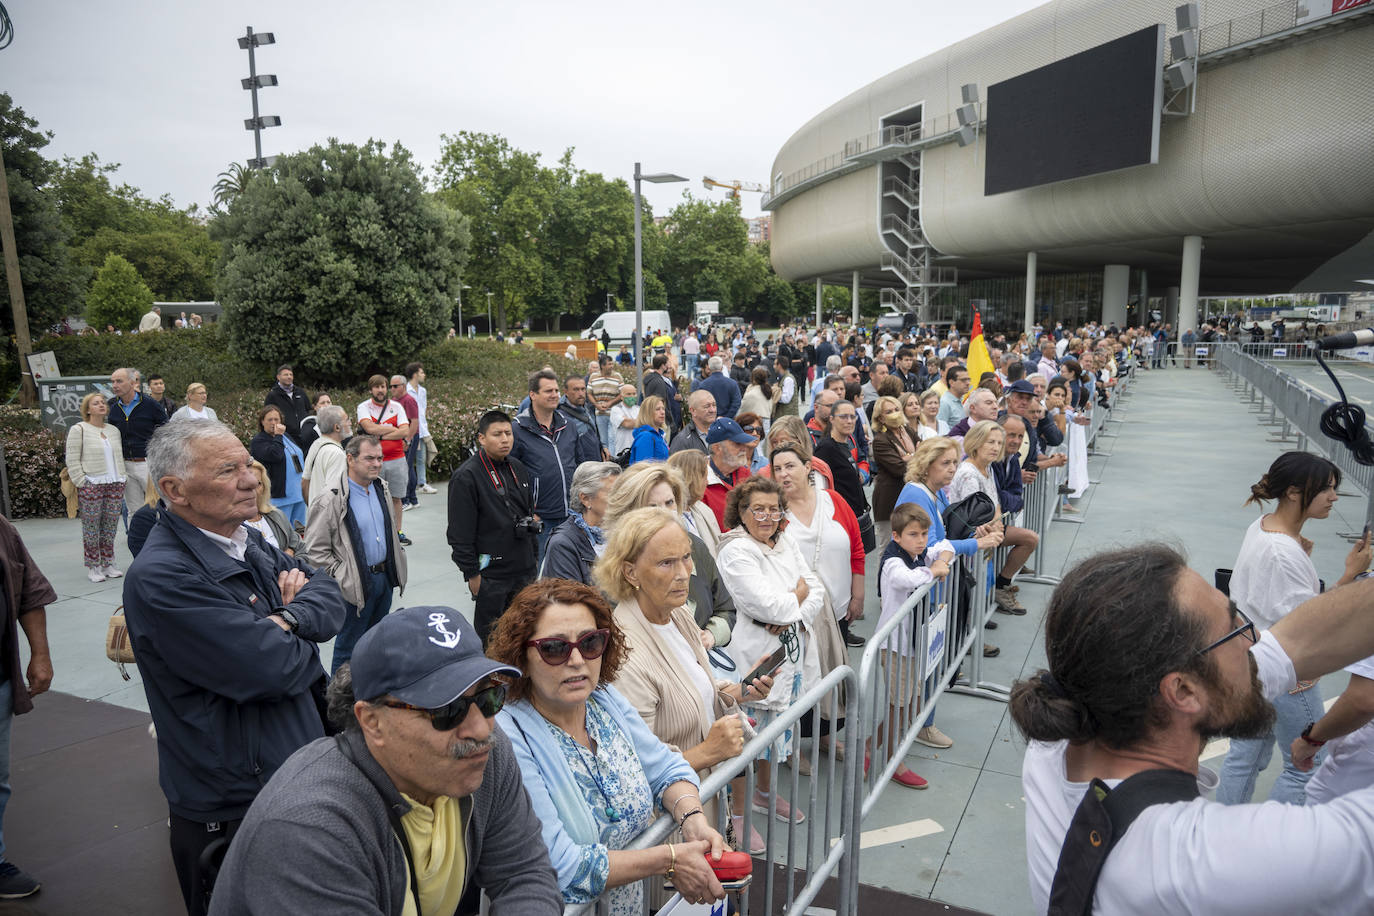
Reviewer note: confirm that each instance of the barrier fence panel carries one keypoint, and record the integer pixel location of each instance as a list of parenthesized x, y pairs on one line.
[(1297, 409), (810, 852)]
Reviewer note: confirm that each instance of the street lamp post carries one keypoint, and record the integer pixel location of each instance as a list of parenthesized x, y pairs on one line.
[(460, 308), (655, 178), (489, 334), (253, 83)]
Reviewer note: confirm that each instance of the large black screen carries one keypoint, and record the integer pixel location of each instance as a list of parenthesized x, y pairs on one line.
[(1096, 111)]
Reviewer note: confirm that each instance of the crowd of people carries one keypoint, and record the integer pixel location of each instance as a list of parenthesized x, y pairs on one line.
[(616, 552)]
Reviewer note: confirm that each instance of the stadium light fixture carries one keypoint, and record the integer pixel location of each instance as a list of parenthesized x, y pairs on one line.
[(253, 82)]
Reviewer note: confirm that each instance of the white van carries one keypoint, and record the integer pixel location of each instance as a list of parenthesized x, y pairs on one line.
[(621, 326)]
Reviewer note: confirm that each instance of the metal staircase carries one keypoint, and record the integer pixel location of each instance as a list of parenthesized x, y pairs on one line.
[(909, 254)]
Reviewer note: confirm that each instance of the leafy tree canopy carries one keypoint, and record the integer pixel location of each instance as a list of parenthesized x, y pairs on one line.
[(338, 259)]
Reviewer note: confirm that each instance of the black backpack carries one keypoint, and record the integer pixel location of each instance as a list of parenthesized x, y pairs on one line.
[(967, 515)]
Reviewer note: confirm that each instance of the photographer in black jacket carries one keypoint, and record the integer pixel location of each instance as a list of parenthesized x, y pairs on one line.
[(491, 522)]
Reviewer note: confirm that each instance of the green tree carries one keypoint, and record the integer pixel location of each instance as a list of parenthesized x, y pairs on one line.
[(118, 296), (53, 283), (230, 184), (170, 246), (707, 256), (338, 259)]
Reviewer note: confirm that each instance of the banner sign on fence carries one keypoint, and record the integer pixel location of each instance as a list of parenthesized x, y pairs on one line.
[(679, 907), (1280, 351), (1201, 351), (935, 636)]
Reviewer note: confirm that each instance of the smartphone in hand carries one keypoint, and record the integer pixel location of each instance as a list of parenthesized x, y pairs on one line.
[(766, 667)]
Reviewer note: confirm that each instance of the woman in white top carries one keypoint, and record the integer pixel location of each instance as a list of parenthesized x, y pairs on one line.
[(95, 463), (195, 408), (982, 446), (827, 534), (921, 411), (1273, 575), (760, 397), (776, 601)]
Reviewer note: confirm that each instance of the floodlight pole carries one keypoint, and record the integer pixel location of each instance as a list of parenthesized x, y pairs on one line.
[(253, 84), (639, 294)]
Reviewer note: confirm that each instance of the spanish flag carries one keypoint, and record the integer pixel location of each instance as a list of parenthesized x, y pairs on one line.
[(979, 361)]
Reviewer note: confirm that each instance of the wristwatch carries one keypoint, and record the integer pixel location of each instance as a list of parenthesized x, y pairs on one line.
[(1307, 736), (290, 618)]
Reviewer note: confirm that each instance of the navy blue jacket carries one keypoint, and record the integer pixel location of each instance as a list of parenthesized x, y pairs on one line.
[(229, 690), (137, 428), (1010, 491), (570, 554), (724, 390), (550, 456)]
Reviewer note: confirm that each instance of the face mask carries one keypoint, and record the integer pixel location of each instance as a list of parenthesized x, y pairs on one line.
[(631, 400)]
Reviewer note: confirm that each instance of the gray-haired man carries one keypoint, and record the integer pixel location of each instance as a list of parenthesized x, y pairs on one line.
[(325, 461)]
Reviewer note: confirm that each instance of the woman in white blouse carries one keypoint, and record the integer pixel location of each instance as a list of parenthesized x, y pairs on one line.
[(982, 446), (95, 463), (195, 408), (270, 521)]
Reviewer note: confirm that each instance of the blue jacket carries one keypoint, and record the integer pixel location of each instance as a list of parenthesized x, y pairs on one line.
[(1010, 491), (724, 390), (648, 445), (230, 691), (551, 456), (915, 493), (569, 554)]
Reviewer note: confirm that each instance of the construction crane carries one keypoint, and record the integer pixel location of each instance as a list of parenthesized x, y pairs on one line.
[(733, 186)]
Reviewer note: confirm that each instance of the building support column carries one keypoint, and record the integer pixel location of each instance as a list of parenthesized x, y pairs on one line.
[(1116, 286), (1190, 272), (818, 303), (854, 300), (1030, 292)]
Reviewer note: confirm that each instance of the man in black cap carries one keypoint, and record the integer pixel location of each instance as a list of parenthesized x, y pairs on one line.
[(416, 807)]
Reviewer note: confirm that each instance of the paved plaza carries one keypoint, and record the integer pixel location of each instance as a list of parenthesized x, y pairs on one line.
[(1180, 469)]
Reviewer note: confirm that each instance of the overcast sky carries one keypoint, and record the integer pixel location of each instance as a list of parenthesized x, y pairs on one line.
[(705, 88)]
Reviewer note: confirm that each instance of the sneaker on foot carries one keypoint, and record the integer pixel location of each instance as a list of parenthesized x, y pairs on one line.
[(95, 575), (854, 640), (990, 651), (756, 846), (781, 809), (1007, 603), (910, 779), (406, 507), (112, 572), (931, 736), (405, 541), (428, 490), (15, 883)]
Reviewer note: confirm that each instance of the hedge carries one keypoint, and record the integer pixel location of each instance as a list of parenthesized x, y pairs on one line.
[(464, 379)]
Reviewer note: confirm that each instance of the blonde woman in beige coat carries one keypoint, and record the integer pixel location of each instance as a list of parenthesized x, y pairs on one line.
[(645, 569), (95, 464)]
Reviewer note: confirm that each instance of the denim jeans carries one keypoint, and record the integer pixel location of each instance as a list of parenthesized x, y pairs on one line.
[(6, 720), (1248, 756), (603, 429), (421, 453), (376, 605), (411, 479), (691, 361)]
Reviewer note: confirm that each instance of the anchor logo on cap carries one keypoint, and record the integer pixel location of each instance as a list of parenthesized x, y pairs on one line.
[(450, 640)]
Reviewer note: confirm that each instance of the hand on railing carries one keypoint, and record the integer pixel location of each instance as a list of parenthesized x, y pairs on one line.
[(939, 569), (724, 740), (691, 874), (990, 540)]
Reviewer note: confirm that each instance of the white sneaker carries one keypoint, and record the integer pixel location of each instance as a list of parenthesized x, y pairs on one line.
[(428, 489), (112, 572), (95, 575), (406, 507)]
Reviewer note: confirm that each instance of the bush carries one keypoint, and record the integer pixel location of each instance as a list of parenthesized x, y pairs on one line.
[(33, 460), (118, 296), (179, 356)]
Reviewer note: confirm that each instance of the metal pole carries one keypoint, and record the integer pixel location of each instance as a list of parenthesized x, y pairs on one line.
[(639, 294), (489, 330), (253, 84), (28, 393), (460, 311), (854, 300), (819, 323), (1030, 291)]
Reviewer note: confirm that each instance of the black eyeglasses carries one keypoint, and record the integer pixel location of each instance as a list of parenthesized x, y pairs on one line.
[(556, 651), (1247, 628), (488, 701)]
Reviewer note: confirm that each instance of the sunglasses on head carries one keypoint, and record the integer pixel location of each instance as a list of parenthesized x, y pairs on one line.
[(556, 651), (488, 701)]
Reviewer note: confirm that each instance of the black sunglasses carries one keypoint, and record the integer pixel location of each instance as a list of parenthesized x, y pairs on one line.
[(488, 701), (1248, 628), (556, 651)]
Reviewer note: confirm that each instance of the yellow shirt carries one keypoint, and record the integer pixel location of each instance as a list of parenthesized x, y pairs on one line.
[(436, 836)]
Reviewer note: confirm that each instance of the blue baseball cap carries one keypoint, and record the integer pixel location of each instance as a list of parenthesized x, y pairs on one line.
[(426, 656), (724, 429), (1020, 386)]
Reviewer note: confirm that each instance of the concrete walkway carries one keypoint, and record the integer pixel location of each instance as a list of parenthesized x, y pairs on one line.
[(1182, 467)]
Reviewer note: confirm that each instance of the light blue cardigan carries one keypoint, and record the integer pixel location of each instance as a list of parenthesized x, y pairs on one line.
[(560, 806)]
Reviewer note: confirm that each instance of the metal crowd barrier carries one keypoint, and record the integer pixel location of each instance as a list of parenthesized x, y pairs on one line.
[(1294, 411), (809, 853)]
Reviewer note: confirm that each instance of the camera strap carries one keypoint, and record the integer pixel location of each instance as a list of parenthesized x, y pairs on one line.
[(1102, 818), (494, 475)]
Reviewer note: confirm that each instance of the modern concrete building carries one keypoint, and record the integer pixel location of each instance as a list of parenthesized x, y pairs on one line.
[(1263, 181)]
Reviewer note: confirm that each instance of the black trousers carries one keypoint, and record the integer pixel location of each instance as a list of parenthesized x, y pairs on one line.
[(493, 597), (195, 866)]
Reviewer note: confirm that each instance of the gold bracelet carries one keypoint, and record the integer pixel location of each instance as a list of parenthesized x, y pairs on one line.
[(672, 863)]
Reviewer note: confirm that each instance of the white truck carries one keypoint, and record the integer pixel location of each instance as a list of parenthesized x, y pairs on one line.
[(621, 326), (704, 313)]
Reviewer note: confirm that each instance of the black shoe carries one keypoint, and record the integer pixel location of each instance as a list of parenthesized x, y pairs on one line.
[(990, 625), (990, 651), (15, 883), (405, 541), (854, 640)]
